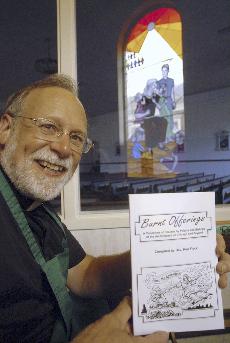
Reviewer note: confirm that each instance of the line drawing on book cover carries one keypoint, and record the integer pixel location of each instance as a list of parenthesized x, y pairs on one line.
[(177, 292)]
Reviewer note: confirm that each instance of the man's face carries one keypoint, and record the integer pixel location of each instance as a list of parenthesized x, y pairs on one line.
[(40, 168), (165, 72)]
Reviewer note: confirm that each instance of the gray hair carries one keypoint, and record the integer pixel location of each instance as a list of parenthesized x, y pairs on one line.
[(15, 101)]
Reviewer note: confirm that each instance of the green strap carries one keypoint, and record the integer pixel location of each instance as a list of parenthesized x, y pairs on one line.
[(55, 218), (20, 218), (55, 269)]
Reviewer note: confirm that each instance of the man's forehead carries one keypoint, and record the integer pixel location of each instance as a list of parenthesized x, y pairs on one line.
[(49, 92), (53, 95), (55, 101)]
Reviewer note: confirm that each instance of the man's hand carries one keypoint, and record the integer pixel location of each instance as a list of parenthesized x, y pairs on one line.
[(223, 266), (114, 328)]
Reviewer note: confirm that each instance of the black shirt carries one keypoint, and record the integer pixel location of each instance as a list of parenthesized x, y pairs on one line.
[(28, 308)]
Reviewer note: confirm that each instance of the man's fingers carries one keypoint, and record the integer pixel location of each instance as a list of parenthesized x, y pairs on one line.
[(223, 266), (223, 281), (220, 245), (123, 312)]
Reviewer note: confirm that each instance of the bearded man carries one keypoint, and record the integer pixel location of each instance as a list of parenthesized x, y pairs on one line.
[(43, 133)]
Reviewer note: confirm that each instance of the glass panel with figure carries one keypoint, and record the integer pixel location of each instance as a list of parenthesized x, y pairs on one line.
[(154, 95)]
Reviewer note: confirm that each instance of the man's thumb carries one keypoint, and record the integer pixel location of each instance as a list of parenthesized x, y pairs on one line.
[(123, 311)]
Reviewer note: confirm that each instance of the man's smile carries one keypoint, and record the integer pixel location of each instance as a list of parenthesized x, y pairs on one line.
[(51, 167)]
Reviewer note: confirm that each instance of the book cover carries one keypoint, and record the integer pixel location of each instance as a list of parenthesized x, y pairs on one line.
[(174, 279)]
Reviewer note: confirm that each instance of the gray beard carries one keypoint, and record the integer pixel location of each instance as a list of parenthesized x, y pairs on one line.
[(41, 188)]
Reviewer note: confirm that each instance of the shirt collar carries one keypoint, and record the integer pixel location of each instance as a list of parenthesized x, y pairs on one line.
[(27, 204)]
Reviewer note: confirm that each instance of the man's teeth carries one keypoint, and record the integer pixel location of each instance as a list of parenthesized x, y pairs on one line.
[(51, 166)]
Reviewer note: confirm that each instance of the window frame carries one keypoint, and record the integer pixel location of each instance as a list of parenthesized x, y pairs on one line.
[(71, 213)]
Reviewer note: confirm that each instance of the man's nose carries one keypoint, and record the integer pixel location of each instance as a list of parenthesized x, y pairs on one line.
[(62, 146)]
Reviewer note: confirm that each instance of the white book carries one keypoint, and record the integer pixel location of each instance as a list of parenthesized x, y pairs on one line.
[(174, 279)]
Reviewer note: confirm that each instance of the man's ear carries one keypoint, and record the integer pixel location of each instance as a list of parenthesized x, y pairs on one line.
[(6, 122)]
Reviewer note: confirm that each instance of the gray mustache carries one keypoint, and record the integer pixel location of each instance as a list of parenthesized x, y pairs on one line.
[(52, 158)]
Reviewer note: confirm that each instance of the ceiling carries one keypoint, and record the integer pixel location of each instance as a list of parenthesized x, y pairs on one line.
[(206, 42), (24, 27)]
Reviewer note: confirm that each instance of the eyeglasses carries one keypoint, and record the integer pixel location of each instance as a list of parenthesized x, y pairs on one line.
[(50, 131)]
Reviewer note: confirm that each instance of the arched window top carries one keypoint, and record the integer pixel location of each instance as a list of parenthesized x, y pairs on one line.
[(166, 21)]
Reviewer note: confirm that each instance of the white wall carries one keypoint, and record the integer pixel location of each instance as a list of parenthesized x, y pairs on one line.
[(205, 115)]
